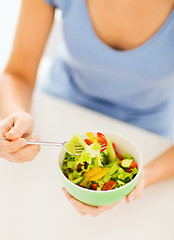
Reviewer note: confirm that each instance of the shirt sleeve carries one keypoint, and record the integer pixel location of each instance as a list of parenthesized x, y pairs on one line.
[(63, 5), (52, 3)]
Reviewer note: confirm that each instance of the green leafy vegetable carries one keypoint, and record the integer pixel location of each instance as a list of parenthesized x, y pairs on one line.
[(74, 167)]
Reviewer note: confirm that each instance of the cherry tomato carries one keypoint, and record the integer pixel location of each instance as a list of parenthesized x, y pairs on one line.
[(119, 156), (134, 164), (109, 185), (87, 141), (94, 186), (102, 140)]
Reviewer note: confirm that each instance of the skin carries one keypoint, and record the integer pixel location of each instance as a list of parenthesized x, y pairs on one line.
[(115, 23)]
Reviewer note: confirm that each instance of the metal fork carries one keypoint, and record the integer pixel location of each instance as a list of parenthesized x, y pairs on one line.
[(78, 148)]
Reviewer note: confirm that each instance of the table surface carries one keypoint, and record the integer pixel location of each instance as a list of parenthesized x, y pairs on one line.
[(32, 205)]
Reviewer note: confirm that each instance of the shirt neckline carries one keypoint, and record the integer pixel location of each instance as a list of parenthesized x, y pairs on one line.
[(133, 50)]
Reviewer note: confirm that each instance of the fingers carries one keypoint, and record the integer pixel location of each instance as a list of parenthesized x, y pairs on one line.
[(95, 211), (137, 191), (27, 153), (18, 151), (15, 126), (84, 209), (20, 128), (5, 126), (12, 146), (16, 129)]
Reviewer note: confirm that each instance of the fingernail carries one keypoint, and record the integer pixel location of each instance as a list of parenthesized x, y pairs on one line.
[(131, 198), (23, 144)]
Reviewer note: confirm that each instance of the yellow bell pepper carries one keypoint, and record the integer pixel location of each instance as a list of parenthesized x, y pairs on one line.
[(99, 174), (92, 172), (84, 182), (95, 173), (91, 137)]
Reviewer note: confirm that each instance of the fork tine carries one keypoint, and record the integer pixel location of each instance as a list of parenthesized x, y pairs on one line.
[(79, 149), (103, 146)]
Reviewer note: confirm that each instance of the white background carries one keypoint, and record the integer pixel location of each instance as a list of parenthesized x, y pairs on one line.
[(9, 11)]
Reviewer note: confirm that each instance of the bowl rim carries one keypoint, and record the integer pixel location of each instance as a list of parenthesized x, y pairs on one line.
[(112, 190)]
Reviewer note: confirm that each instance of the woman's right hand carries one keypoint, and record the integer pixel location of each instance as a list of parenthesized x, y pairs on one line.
[(17, 128)]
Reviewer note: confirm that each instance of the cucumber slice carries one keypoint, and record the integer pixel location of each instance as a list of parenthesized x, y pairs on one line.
[(70, 176), (126, 163), (77, 139), (110, 151), (120, 182), (78, 180)]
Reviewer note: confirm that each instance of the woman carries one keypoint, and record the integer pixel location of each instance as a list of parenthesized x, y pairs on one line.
[(117, 58)]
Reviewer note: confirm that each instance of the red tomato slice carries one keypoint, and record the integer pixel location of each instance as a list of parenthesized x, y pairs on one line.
[(102, 140), (87, 141), (119, 156), (109, 185), (134, 164), (94, 186)]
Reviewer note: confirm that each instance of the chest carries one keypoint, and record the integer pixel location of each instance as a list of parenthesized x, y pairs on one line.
[(83, 49), (127, 24)]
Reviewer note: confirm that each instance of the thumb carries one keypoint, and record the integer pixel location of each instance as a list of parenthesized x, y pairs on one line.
[(137, 191), (17, 131)]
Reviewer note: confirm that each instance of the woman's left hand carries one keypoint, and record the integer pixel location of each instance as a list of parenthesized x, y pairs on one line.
[(139, 188), (85, 209), (94, 211)]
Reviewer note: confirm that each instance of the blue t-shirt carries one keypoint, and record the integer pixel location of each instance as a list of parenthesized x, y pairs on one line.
[(135, 86)]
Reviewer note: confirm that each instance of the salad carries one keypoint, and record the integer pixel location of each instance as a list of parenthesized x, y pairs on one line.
[(100, 167)]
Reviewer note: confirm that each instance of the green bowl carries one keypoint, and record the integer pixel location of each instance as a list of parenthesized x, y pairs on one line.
[(101, 198)]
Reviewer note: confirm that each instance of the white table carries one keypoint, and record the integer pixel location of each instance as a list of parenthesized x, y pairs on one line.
[(33, 207)]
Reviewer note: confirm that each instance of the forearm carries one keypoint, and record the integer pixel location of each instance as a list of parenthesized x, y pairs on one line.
[(160, 168), (15, 94), (18, 80)]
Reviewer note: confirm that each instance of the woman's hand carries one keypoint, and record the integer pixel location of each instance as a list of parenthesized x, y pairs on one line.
[(138, 190), (84, 209), (17, 128)]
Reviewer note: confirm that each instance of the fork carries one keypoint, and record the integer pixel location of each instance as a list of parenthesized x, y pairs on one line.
[(78, 148)]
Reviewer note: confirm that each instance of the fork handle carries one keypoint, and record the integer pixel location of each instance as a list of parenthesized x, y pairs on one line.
[(34, 142)]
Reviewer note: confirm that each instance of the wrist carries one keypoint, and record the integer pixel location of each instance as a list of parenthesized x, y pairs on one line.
[(12, 110), (147, 176)]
